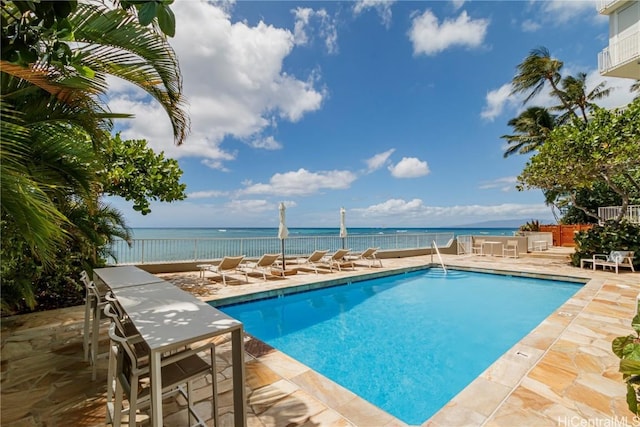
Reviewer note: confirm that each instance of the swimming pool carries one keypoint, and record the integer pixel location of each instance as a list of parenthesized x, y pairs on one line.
[(406, 343)]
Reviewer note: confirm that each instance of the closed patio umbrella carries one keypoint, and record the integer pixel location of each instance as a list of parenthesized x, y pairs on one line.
[(283, 233), (343, 227)]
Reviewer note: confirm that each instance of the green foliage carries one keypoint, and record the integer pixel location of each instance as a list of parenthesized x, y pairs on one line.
[(578, 157), (627, 348), (599, 195), (602, 239), (533, 225), (136, 173)]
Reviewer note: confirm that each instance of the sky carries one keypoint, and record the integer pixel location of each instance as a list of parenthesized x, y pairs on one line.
[(392, 110)]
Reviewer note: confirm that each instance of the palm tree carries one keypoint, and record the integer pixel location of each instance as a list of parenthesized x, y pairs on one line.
[(52, 118), (107, 42), (535, 71), (532, 128), (574, 90)]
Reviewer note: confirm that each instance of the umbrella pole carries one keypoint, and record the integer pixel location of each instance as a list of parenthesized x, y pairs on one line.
[(283, 262)]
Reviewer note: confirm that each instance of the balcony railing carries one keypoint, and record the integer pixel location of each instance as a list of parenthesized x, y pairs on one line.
[(620, 52), (148, 251), (612, 212)]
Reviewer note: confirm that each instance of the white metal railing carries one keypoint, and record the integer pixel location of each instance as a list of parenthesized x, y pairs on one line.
[(632, 214), (146, 251), (619, 52)]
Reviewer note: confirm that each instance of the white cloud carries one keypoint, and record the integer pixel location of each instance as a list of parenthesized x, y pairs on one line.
[(496, 100), (376, 162), (430, 37), (327, 28), (383, 7), (268, 143), (233, 81), (409, 167), (301, 183), (207, 194), (504, 184), (529, 26), (564, 11), (253, 206), (415, 212), (457, 4)]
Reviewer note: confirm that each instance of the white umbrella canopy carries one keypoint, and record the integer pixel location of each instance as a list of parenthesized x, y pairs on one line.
[(343, 226), (283, 232)]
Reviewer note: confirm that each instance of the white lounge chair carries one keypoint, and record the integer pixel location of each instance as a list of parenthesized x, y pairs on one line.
[(615, 259), (228, 265), (337, 259), (313, 260), (369, 255), (478, 246), (264, 265), (510, 249)]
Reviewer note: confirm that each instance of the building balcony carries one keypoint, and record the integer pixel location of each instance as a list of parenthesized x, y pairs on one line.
[(608, 213), (607, 7), (621, 58)]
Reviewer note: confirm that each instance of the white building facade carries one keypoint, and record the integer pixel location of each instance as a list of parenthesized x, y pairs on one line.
[(622, 57)]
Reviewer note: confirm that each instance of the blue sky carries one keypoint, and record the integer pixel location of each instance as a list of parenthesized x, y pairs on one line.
[(392, 110)]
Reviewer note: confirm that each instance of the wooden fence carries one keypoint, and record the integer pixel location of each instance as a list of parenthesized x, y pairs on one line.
[(563, 234)]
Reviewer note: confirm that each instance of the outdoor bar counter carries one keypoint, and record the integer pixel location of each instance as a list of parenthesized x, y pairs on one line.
[(168, 318)]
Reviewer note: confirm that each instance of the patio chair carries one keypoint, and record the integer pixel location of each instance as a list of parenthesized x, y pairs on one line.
[(264, 265), (368, 255), (228, 265), (337, 259), (93, 317), (615, 259), (313, 260), (478, 246), (132, 373), (510, 249)]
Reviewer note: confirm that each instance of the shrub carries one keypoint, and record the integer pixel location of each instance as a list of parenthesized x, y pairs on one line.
[(602, 239)]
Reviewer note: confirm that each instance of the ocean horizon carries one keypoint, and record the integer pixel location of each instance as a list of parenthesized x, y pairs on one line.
[(249, 232)]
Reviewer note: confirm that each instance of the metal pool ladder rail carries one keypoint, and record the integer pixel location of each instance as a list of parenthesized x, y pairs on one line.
[(433, 245)]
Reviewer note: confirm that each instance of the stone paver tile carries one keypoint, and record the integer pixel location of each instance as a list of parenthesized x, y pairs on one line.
[(328, 418), (512, 415), (326, 390), (295, 409), (529, 400), (606, 386), (283, 365), (507, 371), (452, 414), (556, 377), (258, 375), (264, 397), (587, 395), (482, 396), (362, 413)]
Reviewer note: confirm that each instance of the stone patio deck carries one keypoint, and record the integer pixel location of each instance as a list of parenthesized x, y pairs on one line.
[(562, 374)]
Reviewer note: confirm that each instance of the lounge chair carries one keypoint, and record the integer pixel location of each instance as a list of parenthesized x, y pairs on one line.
[(337, 259), (615, 259), (510, 249), (228, 265), (478, 246), (369, 255), (264, 265), (313, 260)]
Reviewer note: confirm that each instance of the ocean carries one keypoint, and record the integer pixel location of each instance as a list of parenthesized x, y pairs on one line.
[(242, 232)]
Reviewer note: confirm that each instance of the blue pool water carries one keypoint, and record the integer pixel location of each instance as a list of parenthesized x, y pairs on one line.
[(406, 343)]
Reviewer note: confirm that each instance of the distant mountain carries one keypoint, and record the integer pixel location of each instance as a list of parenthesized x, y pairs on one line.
[(505, 223)]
